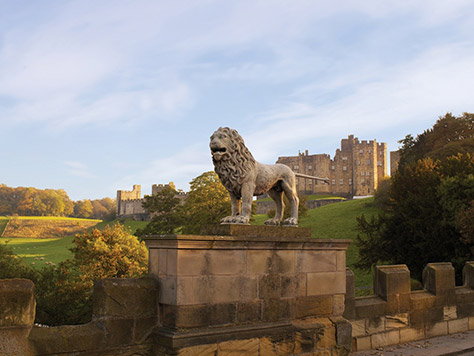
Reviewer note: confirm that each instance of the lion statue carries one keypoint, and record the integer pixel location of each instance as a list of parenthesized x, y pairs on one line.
[(243, 177)]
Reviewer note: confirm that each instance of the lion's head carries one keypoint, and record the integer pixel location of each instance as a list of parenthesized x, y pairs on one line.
[(232, 159)]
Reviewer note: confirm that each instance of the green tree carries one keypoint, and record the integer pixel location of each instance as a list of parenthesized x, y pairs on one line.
[(207, 203), (424, 204), (112, 252), (167, 212)]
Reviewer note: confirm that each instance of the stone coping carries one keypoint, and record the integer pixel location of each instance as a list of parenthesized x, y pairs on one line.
[(256, 231), (243, 242)]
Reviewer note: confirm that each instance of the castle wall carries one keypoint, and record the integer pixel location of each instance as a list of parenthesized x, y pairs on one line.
[(356, 169)]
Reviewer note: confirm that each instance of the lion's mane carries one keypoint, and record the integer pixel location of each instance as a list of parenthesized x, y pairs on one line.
[(237, 162)]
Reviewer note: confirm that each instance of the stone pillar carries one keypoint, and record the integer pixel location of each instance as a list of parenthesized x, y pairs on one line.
[(392, 284), (349, 309), (468, 274), (250, 283), (438, 279), (17, 315)]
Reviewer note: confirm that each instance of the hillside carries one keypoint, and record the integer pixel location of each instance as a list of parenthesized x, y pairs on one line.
[(44, 227)]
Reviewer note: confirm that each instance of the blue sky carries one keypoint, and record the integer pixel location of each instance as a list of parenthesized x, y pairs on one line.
[(97, 96)]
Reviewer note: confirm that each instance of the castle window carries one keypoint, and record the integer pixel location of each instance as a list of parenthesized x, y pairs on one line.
[(344, 158), (341, 181), (368, 161), (361, 151), (362, 181), (379, 163), (344, 168), (350, 181), (358, 162), (295, 168), (333, 167), (310, 182), (368, 174), (333, 182), (380, 153), (362, 173), (310, 167), (370, 151)]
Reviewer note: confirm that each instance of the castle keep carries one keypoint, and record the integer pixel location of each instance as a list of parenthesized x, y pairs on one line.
[(356, 169), (129, 203)]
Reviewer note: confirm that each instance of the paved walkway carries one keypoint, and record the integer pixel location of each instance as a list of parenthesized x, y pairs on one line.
[(448, 345)]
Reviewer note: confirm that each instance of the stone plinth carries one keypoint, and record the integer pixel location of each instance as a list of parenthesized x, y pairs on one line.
[(246, 281)]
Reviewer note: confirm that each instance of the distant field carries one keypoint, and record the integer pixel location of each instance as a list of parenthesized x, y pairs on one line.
[(3, 223), (46, 227), (132, 224)]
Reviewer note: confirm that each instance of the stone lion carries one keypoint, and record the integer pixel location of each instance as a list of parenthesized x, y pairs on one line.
[(243, 177)]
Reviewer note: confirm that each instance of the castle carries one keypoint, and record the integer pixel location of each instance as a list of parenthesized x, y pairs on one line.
[(129, 203), (356, 169)]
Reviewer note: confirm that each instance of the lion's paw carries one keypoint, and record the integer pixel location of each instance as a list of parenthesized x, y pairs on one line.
[(272, 222), (227, 220), (240, 220), (290, 222)]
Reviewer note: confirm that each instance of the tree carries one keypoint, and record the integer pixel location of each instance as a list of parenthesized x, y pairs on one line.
[(422, 217), (167, 212), (83, 209), (110, 253), (207, 203)]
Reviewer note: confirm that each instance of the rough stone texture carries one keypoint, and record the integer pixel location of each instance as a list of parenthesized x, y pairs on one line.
[(438, 278), (391, 280), (14, 342), (411, 334), (17, 303), (386, 338), (256, 231), (125, 297)]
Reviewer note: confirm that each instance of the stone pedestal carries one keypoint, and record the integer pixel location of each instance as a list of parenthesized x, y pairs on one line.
[(256, 287)]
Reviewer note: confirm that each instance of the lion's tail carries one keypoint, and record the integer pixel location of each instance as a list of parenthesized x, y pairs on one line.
[(300, 175)]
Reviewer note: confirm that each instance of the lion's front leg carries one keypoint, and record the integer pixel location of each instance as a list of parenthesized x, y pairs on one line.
[(235, 206)]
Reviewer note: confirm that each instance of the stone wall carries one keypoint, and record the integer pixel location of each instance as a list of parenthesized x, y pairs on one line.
[(395, 314), (124, 317), (356, 169)]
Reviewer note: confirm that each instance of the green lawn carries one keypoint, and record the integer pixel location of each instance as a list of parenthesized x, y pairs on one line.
[(39, 251), (338, 221), (132, 224)]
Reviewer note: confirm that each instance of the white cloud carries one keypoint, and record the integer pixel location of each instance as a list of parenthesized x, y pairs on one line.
[(78, 169)]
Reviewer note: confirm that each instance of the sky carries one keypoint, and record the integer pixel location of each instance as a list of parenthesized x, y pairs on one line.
[(96, 96)]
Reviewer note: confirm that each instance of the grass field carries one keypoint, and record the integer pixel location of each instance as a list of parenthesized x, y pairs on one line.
[(3, 223)]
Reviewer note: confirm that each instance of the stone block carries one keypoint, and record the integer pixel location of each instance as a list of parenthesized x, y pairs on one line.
[(391, 337), (391, 280), (362, 343), (465, 310), (464, 295), (171, 262), (125, 297), (369, 307), (436, 329), (396, 321), (338, 305), (358, 328), (257, 231), (224, 289), (326, 283), (341, 260), (343, 332), (468, 274), (458, 325), (157, 262), (422, 300), (326, 337), (198, 350), (438, 278), (68, 338), (293, 286), (192, 263), (17, 303), (316, 261), (225, 262), (349, 300), (416, 318), (248, 312), (193, 316), (471, 323), (450, 312), (258, 262), (14, 342), (314, 306), (278, 309), (176, 290), (143, 328), (118, 332), (433, 315), (411, 334), (238, 347), (375, 325), (277, 345), (269, 286), (304, 341)]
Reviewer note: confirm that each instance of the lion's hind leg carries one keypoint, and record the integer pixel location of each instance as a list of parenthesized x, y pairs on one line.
[(289, 187), (277, 197)]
